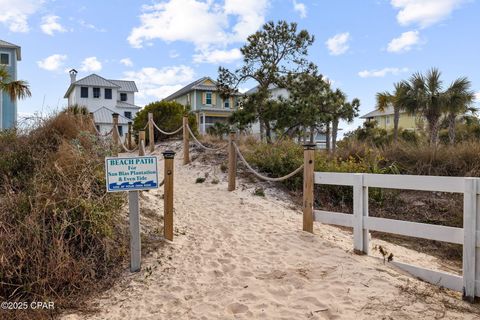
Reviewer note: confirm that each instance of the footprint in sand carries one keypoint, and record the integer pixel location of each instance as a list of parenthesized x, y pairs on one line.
[(236, 308)]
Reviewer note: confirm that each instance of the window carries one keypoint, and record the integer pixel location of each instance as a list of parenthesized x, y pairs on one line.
[(4, 59), (226, 104), (98, 127), (96, 92), (128, 114), (108, 94), (120, 130), (208, 98), (123, 97), (388, 120), (84, 92)]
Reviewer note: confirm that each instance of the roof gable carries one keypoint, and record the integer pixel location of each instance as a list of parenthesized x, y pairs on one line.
[(104, 115), (9, 45), (95, 80)]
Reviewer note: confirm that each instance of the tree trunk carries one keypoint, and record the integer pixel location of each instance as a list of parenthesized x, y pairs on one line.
[(433, 125), (451, 128), (327, 136), (262, 130), (312, 134), (268, 132), (334, 134), (396, 118)]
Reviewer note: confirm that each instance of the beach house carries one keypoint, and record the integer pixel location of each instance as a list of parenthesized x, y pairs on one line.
[(384, 119), (103, 97), (10, 54), (204, 101)]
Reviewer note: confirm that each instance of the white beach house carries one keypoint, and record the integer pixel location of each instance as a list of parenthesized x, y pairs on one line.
[(103, 97)]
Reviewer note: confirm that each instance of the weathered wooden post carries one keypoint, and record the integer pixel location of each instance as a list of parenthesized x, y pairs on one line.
[(232, 162), (115, 133), (141, 143), (186, 145), (168, 195), (129, 135), (151, 137), (308, 180)]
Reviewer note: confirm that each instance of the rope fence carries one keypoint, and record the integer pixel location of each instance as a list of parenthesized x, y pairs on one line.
[(291, 174), (165, 132), (202, 145), (124, 147)]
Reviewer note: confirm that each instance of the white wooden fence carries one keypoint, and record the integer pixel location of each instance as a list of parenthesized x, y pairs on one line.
[(468, 236)]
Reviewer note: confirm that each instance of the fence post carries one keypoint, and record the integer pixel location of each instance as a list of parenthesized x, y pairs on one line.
[(308, 182), (360, 210), (470, 239), (186, 145), (168, 195), (129, 135), (141, 138), (232, 162), (115, 132), (151, 136)]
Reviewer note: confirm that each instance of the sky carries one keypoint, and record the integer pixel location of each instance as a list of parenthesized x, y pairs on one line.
[(363, 47)]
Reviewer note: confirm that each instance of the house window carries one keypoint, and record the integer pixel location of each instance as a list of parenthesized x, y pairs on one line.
[(208, 98), (123, 97), (98, 127), (128, 114), (4, 59), (96, 92), (84, 92), (388, 120), (108, 94), (120, 130), (226, 104)]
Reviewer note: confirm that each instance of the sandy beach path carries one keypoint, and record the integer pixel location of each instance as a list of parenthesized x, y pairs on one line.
[(240, 256)]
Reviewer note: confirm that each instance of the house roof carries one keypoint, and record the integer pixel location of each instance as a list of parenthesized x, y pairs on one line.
[(94, 80), (6, 44), (104, 116), (123, 104), (255, 89), (376, 113), (196, 85)]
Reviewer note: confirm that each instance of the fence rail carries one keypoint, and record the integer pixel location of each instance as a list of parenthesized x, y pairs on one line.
[(362, 223)]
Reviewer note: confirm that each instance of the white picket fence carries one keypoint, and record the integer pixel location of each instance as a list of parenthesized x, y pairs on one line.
[(468, 236)]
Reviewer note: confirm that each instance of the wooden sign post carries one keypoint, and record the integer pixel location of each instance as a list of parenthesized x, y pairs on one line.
[(168, 195)]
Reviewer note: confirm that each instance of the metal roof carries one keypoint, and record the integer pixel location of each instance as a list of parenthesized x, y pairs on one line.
[(96, 80), (6, 44), (123, 104), (104, 116), (255, 89), (376, 113), (196, 85), (128, 86)]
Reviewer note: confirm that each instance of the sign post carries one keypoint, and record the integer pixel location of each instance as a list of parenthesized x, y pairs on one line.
[(132, 174)]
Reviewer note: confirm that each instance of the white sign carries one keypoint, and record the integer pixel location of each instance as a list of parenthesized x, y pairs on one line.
[(131, 174)]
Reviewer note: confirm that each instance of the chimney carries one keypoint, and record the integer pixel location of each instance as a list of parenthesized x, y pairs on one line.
[(73, 75)]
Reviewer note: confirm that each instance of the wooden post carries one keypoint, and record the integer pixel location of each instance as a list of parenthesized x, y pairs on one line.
[(129, 135), (186, 145), (168, 195), (134, 220), (360, 210), (92, 120), (151, 136), (115, 133), (232, 162), (308, 180), (470, 239), (141, 141)]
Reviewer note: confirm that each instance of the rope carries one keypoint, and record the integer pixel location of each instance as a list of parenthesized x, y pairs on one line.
[(144, 128), (99, 133), (291, 174), (121, 142), (201, 145), (167, 133)]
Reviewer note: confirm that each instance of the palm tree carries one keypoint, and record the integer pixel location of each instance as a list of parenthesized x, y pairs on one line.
[(18, 89), (426, 97), (398, 100), (459, 97), (342, 110)]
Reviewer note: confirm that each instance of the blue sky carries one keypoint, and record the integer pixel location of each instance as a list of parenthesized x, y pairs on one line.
[(363, 47)]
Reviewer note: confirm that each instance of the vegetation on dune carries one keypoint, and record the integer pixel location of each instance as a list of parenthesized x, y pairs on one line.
[(61, 234)]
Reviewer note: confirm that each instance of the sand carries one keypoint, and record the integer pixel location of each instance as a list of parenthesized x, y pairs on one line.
[(236, 255)]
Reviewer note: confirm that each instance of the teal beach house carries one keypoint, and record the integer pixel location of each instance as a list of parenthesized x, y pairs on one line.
[(10, 54)]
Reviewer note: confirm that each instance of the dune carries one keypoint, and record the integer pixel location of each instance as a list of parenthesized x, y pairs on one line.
[(236, 255)]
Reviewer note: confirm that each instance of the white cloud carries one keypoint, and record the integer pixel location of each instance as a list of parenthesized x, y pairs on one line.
[(300, 8), (14, 13), (209, 25), (53, 62), (127, 62), (217, 56), (155, 84), (338, 44), (50, 25), (477, 96), (381, 73), (404, 42), (424, 12), (91, 64)]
